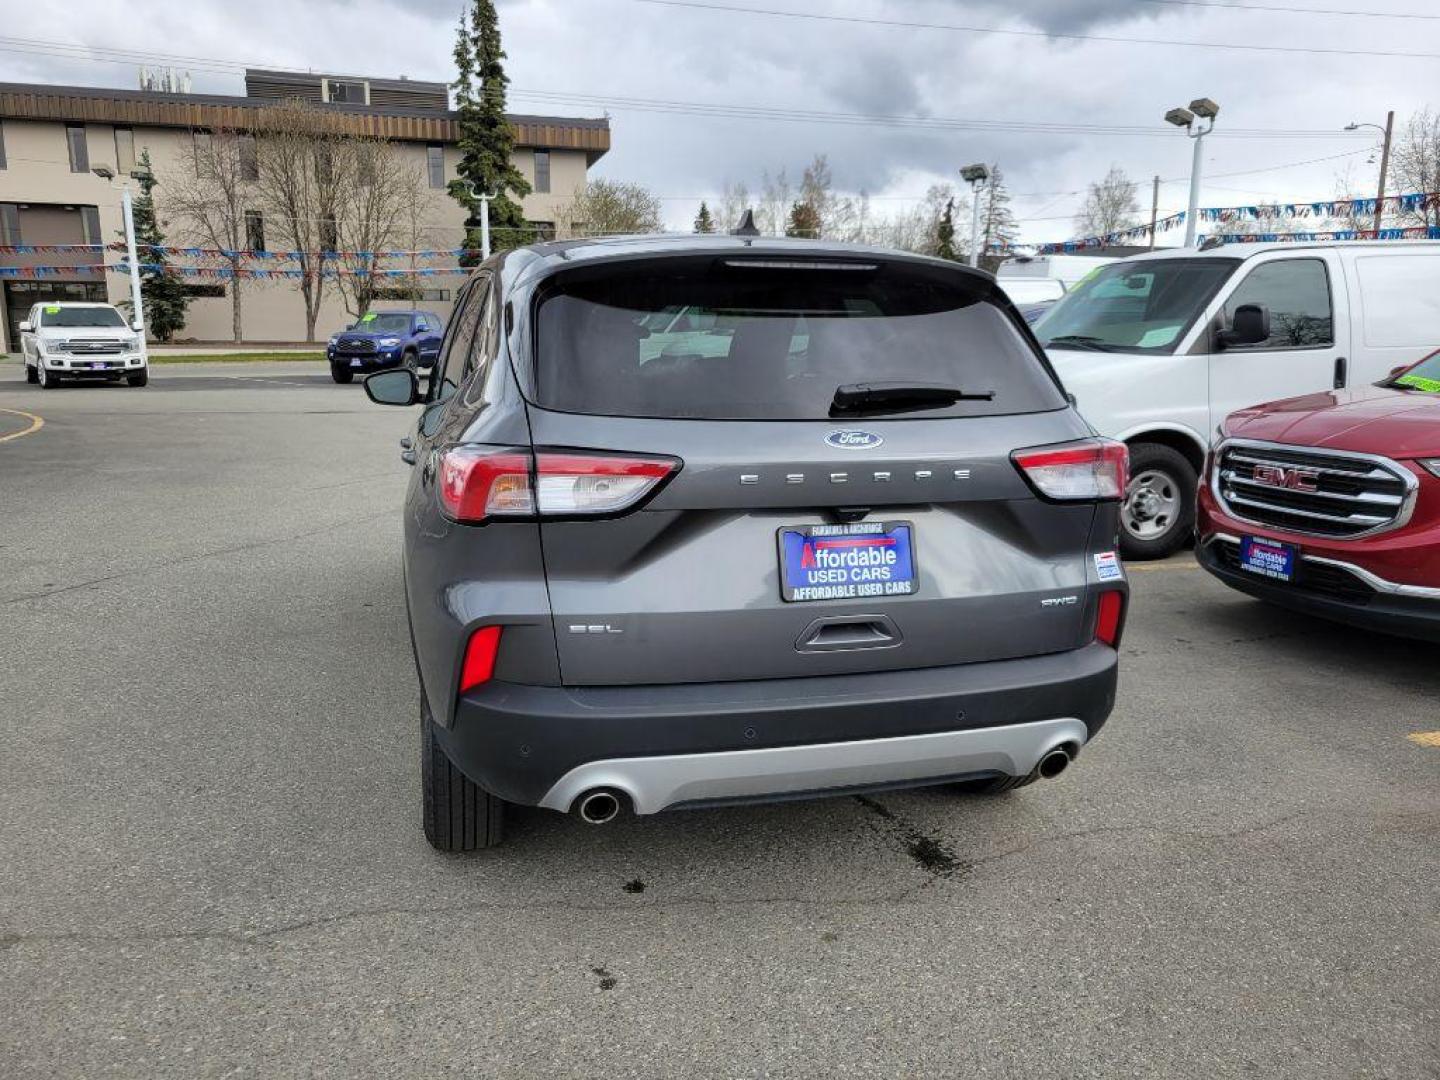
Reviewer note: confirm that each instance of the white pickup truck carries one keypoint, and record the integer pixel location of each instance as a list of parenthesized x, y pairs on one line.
[(1159, 348), (62, 341)]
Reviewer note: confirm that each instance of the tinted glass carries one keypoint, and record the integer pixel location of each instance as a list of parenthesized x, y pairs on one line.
[(392, 322), (71, 316), (1297, 292), (542, 171), (1142, 307), (455, 352), (79, 152), (435, 164), (709, 340)]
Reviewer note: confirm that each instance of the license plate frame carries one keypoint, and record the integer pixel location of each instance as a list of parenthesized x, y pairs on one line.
[(865, 577), (1273, 560)]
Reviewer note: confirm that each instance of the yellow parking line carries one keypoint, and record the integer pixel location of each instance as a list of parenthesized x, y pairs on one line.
[(1425, 738), (36, 423), (1150, 568)]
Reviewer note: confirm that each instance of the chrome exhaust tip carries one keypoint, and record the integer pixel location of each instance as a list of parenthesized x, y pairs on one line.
[(598, 807), (1054, 763)]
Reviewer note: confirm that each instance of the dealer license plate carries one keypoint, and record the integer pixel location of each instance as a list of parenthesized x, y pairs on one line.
[(1268, 558), (847, 562)]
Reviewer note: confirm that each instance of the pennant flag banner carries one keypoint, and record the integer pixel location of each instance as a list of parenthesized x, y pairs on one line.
[(1338, 208), (224, 272)]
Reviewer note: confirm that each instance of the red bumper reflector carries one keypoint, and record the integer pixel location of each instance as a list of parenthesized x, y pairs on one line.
[(480, 657), (1108, 621)]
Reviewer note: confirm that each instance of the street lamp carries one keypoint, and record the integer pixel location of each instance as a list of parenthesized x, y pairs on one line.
[(484, 198), (1387, 130), (137, 311), (1204, 109), (974, 175)]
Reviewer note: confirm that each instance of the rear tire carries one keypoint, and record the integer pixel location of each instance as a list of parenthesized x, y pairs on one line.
[(341, 375), (30, 376), (458, 814), (139, 379), (1158, 514)]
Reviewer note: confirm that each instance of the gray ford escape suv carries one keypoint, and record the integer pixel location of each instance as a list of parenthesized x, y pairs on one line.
[(698, 520)]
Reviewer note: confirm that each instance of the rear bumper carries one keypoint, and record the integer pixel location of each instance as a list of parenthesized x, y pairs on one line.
[(1330, 588), (667, 746)]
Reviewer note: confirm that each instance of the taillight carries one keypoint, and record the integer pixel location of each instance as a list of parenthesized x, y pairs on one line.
[(1109, 618), (481, 482), (1089, 470), (480, 653)]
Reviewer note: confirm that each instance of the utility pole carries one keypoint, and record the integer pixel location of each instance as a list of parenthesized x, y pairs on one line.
[(1154, 210), (1384, 168), (975, 175), (137, 311)]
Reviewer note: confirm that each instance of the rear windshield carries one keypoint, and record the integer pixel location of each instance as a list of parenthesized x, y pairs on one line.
[(77, 316), (734, 340)]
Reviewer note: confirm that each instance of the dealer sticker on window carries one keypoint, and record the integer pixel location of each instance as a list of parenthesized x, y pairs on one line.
[(1107, 566)]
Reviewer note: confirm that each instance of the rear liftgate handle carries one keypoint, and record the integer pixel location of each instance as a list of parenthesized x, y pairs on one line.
[(846, 632)]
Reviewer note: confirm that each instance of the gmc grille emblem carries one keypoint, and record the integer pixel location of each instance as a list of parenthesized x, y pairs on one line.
[(1292, 479)]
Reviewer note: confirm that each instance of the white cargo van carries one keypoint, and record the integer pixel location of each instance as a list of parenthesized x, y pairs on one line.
[(1159, 348)]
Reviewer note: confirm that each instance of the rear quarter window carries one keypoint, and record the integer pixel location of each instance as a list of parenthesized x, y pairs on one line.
[(733, 339)]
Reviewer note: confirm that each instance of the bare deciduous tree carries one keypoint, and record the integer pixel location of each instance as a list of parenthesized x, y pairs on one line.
[(1415, 166), (209, 194), (734, 201), (375, 195), (611, 207), (1110, 206), (303, 168)]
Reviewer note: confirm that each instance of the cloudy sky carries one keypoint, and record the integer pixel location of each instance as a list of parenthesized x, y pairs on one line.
[(1056, 92)]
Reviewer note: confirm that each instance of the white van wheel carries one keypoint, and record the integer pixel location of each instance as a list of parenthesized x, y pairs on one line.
[(1159, 508)]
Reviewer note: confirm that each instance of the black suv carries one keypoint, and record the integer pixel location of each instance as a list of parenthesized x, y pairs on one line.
[(702, 520)]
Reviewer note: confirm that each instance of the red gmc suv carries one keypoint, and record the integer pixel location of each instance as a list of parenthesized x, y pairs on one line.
[(1330, 503)]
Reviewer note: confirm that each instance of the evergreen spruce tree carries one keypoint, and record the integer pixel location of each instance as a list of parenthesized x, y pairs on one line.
[(486, 138), (945, 234), (162, 293), (704, 222), (804, 221)]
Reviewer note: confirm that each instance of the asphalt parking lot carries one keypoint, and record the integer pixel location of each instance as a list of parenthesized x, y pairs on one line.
[(213, 865)]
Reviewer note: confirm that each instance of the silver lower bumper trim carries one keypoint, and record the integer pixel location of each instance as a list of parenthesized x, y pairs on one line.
[(1375, 581), (654, 783)]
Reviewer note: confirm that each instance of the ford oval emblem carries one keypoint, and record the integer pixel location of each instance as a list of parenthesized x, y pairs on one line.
[(854, 440)]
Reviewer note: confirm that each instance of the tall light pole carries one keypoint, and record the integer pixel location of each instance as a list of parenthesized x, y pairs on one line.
[(974, 175), (137, 312), (484, 197), (1389, 130), (1204, 109)]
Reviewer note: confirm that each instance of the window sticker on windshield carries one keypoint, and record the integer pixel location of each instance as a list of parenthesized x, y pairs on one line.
[(369, 317), (1419, 382), (1107, 566), (52, 309), (1162, 335)]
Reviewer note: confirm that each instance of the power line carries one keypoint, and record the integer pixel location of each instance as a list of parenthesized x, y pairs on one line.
[(705, 5), (1295, 10)]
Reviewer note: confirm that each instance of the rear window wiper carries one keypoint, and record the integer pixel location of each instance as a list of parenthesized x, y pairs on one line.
[(1080, 341), (882, 396)]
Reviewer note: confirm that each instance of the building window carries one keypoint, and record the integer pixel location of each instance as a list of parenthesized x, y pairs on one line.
[(435, 163), (432, 295), (79, 152), (544, 230), (204, 292), (2, 144), (90, 224), (254, 230), (542, 172), (329, 235), (249, 159), (204, 152), (124, 151), (9, 224), (346, 93)]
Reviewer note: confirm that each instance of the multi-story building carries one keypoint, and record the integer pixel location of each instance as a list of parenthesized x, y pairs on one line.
[(53, 138)]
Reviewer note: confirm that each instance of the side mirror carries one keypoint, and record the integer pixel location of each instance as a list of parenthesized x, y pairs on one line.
[(26, 327), (397, 386), (1251, 326), (138, 326)]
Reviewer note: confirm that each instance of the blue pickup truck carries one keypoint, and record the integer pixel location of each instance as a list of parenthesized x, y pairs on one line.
[(384, 339)]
